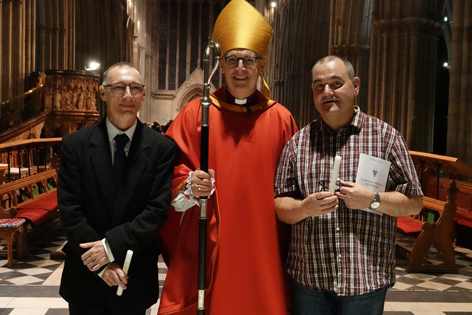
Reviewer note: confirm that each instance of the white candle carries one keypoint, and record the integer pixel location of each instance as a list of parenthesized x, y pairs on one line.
[(334, 174), (129, 255)]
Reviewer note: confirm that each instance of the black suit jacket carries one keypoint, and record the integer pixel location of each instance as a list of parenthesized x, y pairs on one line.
[(92, 207)]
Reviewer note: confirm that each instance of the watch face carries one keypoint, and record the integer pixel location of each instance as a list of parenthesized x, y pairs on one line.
[(374, 205)]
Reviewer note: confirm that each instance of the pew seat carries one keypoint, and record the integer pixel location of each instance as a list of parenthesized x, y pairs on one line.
[(38, 208), (438, 234)]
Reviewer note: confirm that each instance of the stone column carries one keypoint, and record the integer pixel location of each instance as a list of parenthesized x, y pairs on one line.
[(30, 36), (54, 27), (7, 49), (1, 53), (41, 40), (402, 74), (350, 38), (70, 37), (47, 49), (300, 39), (56, 33), (459, 129), (62, 17), (17, 48)]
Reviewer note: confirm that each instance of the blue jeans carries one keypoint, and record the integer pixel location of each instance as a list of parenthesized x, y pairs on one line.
[(311, 302)]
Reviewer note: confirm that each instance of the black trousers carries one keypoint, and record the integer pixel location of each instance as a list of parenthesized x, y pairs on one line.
[(79, 310)]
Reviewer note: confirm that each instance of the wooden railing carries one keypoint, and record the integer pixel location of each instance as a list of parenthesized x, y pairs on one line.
[(23, 158), (21, 108)]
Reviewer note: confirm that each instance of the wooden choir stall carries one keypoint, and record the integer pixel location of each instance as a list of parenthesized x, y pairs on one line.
[(436, 224)]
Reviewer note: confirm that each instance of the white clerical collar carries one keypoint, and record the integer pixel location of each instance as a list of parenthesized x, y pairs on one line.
[(240, 102)]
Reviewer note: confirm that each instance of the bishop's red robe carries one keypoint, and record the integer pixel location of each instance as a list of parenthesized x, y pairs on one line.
[(244, 266)]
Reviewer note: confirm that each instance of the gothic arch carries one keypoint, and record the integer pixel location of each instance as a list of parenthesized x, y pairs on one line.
[(192, 93), (190, 89)]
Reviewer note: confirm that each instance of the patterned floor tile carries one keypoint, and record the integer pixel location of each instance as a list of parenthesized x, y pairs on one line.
[(38, 276)]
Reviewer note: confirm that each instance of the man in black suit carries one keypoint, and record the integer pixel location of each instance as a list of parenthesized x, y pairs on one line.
[(105, 211)]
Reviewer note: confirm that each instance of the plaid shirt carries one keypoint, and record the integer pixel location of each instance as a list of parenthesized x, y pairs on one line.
[(348, 251)]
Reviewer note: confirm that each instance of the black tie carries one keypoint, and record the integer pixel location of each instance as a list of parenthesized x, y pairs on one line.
[(120, 157)]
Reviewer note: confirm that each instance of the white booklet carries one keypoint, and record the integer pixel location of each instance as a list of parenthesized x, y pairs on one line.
[(372, 173)]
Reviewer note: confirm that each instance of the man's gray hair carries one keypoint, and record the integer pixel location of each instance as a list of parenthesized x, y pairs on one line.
[(347, 64), (119, 64)]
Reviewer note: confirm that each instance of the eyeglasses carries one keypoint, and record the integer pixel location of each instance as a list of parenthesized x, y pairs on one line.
[(119, 88), (248, 61)]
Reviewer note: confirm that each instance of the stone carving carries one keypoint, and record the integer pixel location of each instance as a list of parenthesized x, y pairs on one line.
[(57, 99), (48, 100), (70, 91), (71, 97)]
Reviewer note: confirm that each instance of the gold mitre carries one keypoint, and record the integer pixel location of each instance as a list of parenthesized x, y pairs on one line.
[(240, 25)]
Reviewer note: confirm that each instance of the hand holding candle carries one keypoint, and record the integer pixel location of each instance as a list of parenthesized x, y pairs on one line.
[(334, 174), (129, 255)]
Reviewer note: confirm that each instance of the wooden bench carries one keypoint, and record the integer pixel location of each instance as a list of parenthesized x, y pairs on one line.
[(436, 173), (40, 207), (14, 237), (414, 224), (440, 234), (463, 217)]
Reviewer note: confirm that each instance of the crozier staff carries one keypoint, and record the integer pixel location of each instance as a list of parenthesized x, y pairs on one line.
[(212, 51), (247, 133)]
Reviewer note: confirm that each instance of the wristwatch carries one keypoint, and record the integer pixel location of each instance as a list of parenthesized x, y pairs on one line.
[(376, 202)]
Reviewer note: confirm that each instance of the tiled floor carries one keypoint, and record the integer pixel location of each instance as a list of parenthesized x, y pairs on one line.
[(30, 287), (431, 294)]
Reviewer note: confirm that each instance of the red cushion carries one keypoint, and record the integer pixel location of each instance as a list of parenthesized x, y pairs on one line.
[(46, 202), (465, 222), (409, 225), (35, 216), (463, 215)]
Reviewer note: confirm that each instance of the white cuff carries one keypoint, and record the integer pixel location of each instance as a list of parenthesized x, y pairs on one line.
[(182, 203), (185, 198), (109, 254), (100, 274), (108, 250)]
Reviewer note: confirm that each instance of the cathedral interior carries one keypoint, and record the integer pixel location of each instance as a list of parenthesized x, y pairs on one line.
[(412, 59)]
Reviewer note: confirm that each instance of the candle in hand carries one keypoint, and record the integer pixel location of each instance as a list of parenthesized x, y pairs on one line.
[(129, 255)]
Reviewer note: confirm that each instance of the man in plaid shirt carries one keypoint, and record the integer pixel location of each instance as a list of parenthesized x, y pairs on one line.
[(342, 258)]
